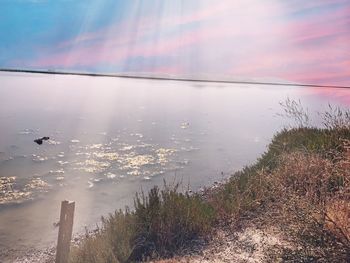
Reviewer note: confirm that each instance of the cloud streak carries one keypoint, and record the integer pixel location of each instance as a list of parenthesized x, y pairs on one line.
[(304, 42)]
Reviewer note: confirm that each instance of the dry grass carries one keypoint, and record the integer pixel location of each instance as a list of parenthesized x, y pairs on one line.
[(304, 175), (314, 206)]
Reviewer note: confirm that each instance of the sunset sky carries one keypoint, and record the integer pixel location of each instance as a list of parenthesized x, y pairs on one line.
[(295, 40)]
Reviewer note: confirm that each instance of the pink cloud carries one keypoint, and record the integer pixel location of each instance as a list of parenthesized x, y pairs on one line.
[(112, 51), (314, 49), (311, 51), (147, 24), (340, 95)]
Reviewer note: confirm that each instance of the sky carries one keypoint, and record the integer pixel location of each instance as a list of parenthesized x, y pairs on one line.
[(276, 40)]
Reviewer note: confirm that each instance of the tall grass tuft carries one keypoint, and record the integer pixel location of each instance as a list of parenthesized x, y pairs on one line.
[(162, 221), (167, 219)]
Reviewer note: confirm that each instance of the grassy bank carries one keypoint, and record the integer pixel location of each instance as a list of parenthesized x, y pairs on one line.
[(302, 183)]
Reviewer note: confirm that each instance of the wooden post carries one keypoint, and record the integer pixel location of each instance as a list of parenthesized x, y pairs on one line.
[(65, 231)]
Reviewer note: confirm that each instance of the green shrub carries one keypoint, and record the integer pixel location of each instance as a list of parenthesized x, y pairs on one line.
[(162, 222), (94, 249), (119, 229), (166, 220)]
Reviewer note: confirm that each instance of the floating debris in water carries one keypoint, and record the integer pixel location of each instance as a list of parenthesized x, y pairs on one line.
[(52, 142), (97, 180), (36, 183), (26, 132), (110, 175), (141, 159), (91, 184), (132, 161), (184, 125), (8, 193), (92, 166), (38, 158), (139, 135), (111, 156), (163, 155), (144, 145), (6, 183), (134, 173), (189, 149), (74, 141), (94, 146), (127, 148), (184, 162), (62, 163), (60, 171)]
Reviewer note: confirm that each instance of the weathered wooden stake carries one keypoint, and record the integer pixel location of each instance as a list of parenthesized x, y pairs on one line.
[(65, 231)]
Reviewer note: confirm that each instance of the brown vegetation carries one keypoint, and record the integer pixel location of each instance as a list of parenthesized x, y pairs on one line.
[(302, 183)]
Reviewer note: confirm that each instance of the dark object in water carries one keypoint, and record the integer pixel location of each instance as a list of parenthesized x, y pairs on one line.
[(40, 141)]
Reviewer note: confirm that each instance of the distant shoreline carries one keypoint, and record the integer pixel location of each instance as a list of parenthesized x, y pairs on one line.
[(170, 78)]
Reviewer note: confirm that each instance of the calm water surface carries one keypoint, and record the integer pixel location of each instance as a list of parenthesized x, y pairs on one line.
[(112, 137)]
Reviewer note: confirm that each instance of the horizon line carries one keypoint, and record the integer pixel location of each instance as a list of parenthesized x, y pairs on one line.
[(91, 74)]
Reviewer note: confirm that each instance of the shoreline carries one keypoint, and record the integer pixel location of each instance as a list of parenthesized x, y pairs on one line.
[(260, 214), (47, 254)]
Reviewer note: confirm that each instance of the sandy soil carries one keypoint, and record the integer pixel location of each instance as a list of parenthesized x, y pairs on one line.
[(252, 244)]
